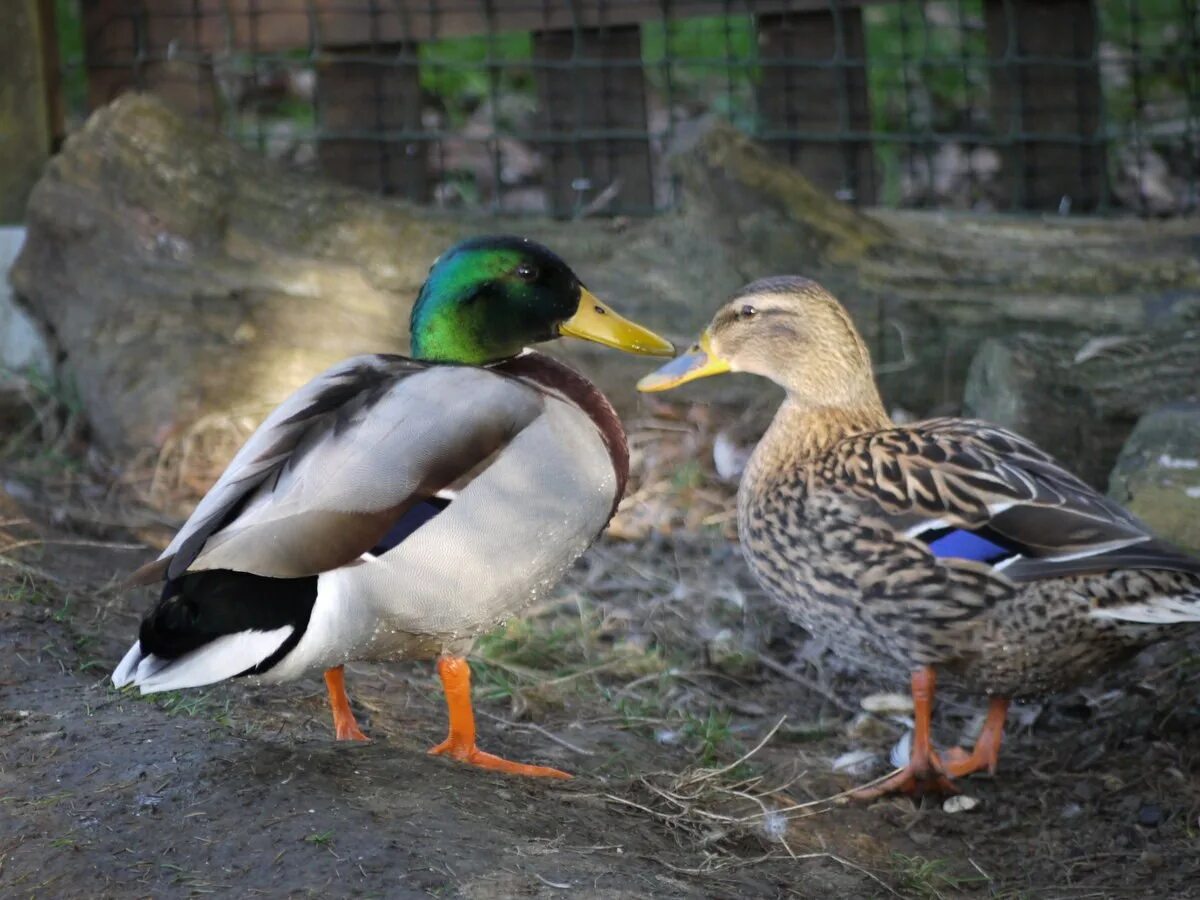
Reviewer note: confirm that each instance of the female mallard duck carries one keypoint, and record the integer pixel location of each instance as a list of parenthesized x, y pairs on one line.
[(949, 545), (396, 508)]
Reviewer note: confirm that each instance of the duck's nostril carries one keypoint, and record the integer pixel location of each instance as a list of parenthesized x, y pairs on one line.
[(600, 310)]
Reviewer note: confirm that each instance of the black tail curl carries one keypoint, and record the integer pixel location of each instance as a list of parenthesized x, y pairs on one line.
[(200, 607)]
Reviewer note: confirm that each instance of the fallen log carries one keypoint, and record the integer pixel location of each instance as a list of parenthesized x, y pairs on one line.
[(187, 285)]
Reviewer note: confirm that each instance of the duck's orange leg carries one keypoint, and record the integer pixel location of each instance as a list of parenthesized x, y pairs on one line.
[(986, 754), (924, 773), (344, 726), (460, 744)]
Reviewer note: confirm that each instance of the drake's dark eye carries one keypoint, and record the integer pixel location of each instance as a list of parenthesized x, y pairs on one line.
[(747, 312), (527, 271)]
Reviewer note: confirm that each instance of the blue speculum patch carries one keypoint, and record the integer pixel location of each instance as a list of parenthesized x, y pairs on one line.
[(960, 544), (410, 522)]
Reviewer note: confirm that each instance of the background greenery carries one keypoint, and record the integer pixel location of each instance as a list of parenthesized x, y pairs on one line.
[(926, 68)]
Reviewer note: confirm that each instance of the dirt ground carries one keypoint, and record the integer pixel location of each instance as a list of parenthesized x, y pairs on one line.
[(654, 674)]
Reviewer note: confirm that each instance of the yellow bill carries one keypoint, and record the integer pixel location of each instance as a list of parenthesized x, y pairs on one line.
[(698, 362), (595, 321)]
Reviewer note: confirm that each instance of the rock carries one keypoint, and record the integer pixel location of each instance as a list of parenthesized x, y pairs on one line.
[(22, 347), (1150, 815), (960, 803), (728, 653), (1157, 475), (190, 285), (1079, 397), (885, 704)]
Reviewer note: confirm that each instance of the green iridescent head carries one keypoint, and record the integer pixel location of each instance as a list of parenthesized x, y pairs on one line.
[(488, 298)]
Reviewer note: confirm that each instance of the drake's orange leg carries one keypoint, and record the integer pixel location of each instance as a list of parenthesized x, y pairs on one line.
[(924, 773), (344, 726), (986, 754), (460, 744)]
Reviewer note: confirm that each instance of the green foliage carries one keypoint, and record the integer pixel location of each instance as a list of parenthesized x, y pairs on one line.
[(930, 879), (460, 71), (927, 68), (709, 737), (69, 25), (709, 64), (1164, 69)]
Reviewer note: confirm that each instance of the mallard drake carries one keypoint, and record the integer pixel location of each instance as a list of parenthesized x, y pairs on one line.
[(947, 546), (395, 508)]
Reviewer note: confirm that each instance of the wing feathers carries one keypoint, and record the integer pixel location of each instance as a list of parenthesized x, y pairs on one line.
[(954, 473), (1155, 611), (334, 467)]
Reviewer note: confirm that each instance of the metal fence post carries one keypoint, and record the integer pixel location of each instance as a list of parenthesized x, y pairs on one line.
[(162, 47), (1046, 97), (592, 88), (813, 96), (369, 99)]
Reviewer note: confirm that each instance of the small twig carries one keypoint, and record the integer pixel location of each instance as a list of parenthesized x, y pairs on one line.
[(602, 200), (713, 773), (530, 726), (644, 679), (553, 884)]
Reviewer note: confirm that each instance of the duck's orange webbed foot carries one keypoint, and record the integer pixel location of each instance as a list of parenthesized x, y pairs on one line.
[(925, 772), (345, 728), (986, 755), (916, 779), (460, 744)]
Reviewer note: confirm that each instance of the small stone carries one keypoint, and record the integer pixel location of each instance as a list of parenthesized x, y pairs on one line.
[(888, 704), (1150, 815), (1112, 783), (726, 652), (921, 837), (1151, 859), (960, 803)]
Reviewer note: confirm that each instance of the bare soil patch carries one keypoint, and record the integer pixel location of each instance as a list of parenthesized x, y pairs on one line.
[(652, 674)]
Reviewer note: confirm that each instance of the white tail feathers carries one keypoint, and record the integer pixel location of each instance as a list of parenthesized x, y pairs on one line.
[(1155, 611), (217, 660)]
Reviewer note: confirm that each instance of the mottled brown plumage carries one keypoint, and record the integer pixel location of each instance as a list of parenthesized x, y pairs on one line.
[(948, 545)]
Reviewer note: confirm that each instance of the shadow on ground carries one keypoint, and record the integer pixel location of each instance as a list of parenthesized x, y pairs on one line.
[(653, 671)]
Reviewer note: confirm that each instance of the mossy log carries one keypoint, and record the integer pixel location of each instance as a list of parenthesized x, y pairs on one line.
[(1081, 397), (182, 279)]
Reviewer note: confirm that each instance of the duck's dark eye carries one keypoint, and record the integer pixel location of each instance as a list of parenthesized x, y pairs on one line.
[(527, 271), (747, 312)]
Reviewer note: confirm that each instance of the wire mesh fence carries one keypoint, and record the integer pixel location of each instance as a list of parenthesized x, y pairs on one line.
[(573, 107)]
